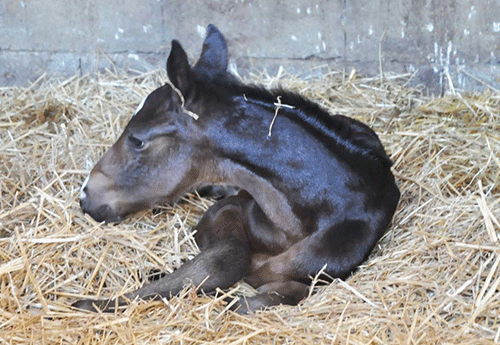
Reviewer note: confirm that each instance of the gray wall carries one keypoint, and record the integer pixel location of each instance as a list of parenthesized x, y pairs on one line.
[(437, 38)]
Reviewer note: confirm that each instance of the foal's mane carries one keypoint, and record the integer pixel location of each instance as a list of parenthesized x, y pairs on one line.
[(332, 130)]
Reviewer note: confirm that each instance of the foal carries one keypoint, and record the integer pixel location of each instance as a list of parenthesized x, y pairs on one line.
[(315, 190)]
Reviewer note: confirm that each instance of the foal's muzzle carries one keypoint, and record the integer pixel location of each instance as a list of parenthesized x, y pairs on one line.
[(96, 207), (102, 213)]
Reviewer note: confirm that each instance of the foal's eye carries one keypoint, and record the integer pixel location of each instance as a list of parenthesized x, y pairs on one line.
[(136, 143)]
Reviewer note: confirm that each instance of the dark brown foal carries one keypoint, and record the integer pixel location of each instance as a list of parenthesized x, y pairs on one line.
[(317, 194)]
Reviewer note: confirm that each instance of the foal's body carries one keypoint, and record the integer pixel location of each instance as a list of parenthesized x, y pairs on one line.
[(316, 191)]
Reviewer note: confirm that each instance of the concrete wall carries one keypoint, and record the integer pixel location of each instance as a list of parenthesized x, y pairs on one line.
[(459, 38)]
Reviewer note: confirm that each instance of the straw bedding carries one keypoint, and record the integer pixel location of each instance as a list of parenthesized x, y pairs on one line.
[(434, 278)]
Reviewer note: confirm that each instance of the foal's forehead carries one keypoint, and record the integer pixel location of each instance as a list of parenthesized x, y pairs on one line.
[(153, 104)]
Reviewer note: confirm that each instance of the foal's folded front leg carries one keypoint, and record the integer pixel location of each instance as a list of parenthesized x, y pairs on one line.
[(219, 266)]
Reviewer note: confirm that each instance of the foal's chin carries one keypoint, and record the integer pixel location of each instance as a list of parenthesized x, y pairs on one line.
[(108, 215)]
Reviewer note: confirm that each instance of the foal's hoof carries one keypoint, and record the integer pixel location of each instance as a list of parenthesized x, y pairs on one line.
[(91, 305), (246, 305), (261, 301), (236, 306)]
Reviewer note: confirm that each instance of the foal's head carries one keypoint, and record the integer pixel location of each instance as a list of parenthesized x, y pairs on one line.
[(158, 157)]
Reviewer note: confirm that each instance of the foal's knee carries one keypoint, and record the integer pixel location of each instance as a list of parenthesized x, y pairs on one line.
[(222, 220)]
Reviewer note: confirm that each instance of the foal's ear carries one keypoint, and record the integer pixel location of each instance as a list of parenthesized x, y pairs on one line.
[(178, 69), (213, 58)]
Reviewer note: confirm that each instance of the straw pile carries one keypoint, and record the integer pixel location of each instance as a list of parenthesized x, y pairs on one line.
[(433, 279)]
